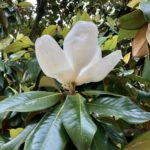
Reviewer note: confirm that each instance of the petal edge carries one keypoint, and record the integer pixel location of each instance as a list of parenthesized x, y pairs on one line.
[(99, 70)]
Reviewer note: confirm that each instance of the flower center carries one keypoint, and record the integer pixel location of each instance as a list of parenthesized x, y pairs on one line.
[(70, 87)]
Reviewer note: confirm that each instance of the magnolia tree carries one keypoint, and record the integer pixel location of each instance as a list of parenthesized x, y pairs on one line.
[(80, 83)]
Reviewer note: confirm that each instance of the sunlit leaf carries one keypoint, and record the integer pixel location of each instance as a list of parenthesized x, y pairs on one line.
[(110, 44), (51, 30), (5, 42), (85, 17), (15, 132), (126, 58), (133, 3), (25, 4)]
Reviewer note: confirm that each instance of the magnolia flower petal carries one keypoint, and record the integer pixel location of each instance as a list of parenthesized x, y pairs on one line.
[(66, 77), (96, 58), (148, 33), (50, 56), (99, 70), (80, 45)]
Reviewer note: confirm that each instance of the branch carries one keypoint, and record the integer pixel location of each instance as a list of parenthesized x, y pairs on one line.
[(40, 12)]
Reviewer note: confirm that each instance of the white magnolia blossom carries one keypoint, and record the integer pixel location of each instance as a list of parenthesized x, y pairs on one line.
[(80, 61)]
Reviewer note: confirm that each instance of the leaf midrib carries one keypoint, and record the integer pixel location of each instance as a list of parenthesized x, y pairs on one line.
[(52, 125)]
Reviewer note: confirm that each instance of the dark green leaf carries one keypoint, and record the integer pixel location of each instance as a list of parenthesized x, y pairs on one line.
[(120, 107), (33, 71), (114, 132), (30, 101), (142, 95), (77, 122), (2, 142), (131, 21), (48, 134), (2, 66), (100, 140), (146, 70), (145, 7)]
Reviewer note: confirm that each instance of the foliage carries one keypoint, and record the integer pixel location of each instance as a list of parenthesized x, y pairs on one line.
[(37, 113)]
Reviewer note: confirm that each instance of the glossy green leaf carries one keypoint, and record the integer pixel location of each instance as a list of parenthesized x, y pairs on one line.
[(19, 140), (32, 72), (77, 122), (30, 101), (131, 21), (48, 134), (140, 143), (120, 107), (100, 140), (145, 7), (114, 132), (143, 96), (97, 93)]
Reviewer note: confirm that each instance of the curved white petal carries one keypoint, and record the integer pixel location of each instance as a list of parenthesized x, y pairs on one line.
[(51, 58), (96, 58), (99, 70), (80, 45), (148, 34)]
